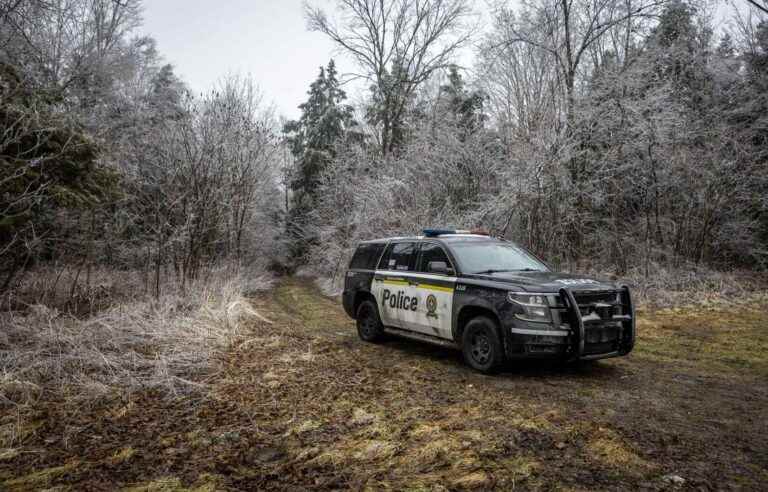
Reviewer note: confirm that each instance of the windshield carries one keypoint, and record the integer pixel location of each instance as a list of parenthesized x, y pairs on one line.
[(491, 257)]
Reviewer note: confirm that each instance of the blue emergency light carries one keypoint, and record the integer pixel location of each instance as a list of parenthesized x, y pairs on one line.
[(438, 232)]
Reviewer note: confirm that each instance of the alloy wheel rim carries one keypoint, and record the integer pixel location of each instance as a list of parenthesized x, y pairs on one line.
[(367, 323), (480, 348)]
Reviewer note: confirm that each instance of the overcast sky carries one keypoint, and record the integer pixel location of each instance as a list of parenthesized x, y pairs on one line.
[(205, 39)]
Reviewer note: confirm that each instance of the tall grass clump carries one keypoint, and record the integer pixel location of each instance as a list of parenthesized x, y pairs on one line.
[(170, 344)]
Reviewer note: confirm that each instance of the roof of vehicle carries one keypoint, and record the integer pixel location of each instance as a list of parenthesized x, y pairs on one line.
[(442, 237), (466, 237)]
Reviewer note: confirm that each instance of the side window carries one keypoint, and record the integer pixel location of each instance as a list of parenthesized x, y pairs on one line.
[(384, 262), (366, 255), (432, 252), (399, 256)]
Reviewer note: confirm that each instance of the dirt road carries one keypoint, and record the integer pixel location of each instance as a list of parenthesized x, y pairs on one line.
[(303, 404)]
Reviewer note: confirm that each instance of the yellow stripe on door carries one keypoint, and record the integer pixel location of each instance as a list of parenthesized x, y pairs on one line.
[(393, 281), (440, 288), (435, 287)]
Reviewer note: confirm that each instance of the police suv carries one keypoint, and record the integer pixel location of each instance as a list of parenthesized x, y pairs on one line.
[(488, 297)]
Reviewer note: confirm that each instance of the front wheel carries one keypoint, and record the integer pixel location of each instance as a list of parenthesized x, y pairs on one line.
[(481, 345), (369, 326)]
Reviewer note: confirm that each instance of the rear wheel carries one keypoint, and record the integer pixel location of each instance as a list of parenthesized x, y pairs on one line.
[(481, 345), (369, 326)]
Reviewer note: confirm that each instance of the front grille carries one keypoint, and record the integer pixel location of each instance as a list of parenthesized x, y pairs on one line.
[(588, 297), (597, 306), (594, 307), (602, 321)]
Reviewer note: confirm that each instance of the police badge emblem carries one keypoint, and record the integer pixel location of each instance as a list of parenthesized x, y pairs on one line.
[(431, 306)]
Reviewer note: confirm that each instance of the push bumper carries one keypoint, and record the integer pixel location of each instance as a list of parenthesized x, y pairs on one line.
[(584, 339)]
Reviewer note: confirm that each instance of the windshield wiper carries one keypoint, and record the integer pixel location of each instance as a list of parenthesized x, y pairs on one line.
[(527, 270)]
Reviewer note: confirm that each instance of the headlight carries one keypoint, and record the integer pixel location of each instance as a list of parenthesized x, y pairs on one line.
[(535, 306)]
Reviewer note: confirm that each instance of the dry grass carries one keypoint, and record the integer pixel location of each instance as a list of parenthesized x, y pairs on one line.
[(83, 291), (169, 344), (717, 337)]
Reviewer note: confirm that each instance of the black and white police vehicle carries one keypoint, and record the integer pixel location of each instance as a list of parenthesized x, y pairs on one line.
[(488, 297)]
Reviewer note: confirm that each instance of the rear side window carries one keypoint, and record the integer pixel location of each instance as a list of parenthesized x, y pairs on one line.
[(366, 256), (399, 256), (432, 252)]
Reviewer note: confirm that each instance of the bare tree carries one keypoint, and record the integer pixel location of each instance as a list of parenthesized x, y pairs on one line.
[(201, 175), (397, 44), (523, 83), (566, 30), (761, 5)]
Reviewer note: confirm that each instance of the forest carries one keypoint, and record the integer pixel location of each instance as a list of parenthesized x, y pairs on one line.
[(139, 219), (625, 137)]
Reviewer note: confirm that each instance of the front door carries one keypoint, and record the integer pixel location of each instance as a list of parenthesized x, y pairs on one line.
[(433, 294)]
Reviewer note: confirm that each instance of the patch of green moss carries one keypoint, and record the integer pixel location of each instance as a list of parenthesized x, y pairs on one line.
[(315, 311)]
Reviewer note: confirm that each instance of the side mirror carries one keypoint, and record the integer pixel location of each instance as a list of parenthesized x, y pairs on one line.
[(439, 267)]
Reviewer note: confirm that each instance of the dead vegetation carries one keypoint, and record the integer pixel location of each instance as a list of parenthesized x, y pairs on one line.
[(170, 345), (689, 285), (301, 403)]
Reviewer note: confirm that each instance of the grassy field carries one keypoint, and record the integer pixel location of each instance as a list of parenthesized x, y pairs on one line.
[(301, 403)]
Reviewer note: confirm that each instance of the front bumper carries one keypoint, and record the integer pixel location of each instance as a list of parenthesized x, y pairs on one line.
[(582, 338)]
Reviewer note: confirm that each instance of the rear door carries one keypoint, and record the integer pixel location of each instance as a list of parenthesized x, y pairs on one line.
[(361, 271), (433, 293), (391, 286)]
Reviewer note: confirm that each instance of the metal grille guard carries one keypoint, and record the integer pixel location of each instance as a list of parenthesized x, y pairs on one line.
[(573, 306)]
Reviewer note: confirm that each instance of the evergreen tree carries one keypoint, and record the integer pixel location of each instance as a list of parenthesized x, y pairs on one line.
[(749, 119), (391, 103), (313, 139), (678, 52), (48, 165), (465, 107), (166, 96)]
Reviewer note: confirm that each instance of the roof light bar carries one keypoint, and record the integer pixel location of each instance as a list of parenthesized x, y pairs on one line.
[(440, 232)]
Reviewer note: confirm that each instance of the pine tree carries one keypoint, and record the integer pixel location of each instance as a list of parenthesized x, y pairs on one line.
[(464, 106), (325, 123), (48, 165), (389, 108), (678, 51)]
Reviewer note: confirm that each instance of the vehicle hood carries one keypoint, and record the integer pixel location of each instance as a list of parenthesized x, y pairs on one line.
[(547, 281)]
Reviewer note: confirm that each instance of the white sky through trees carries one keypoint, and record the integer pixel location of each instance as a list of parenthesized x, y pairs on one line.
[(206, 40)]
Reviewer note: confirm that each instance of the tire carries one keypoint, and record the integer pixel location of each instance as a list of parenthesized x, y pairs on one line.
[(369, 326), (481, 345)]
